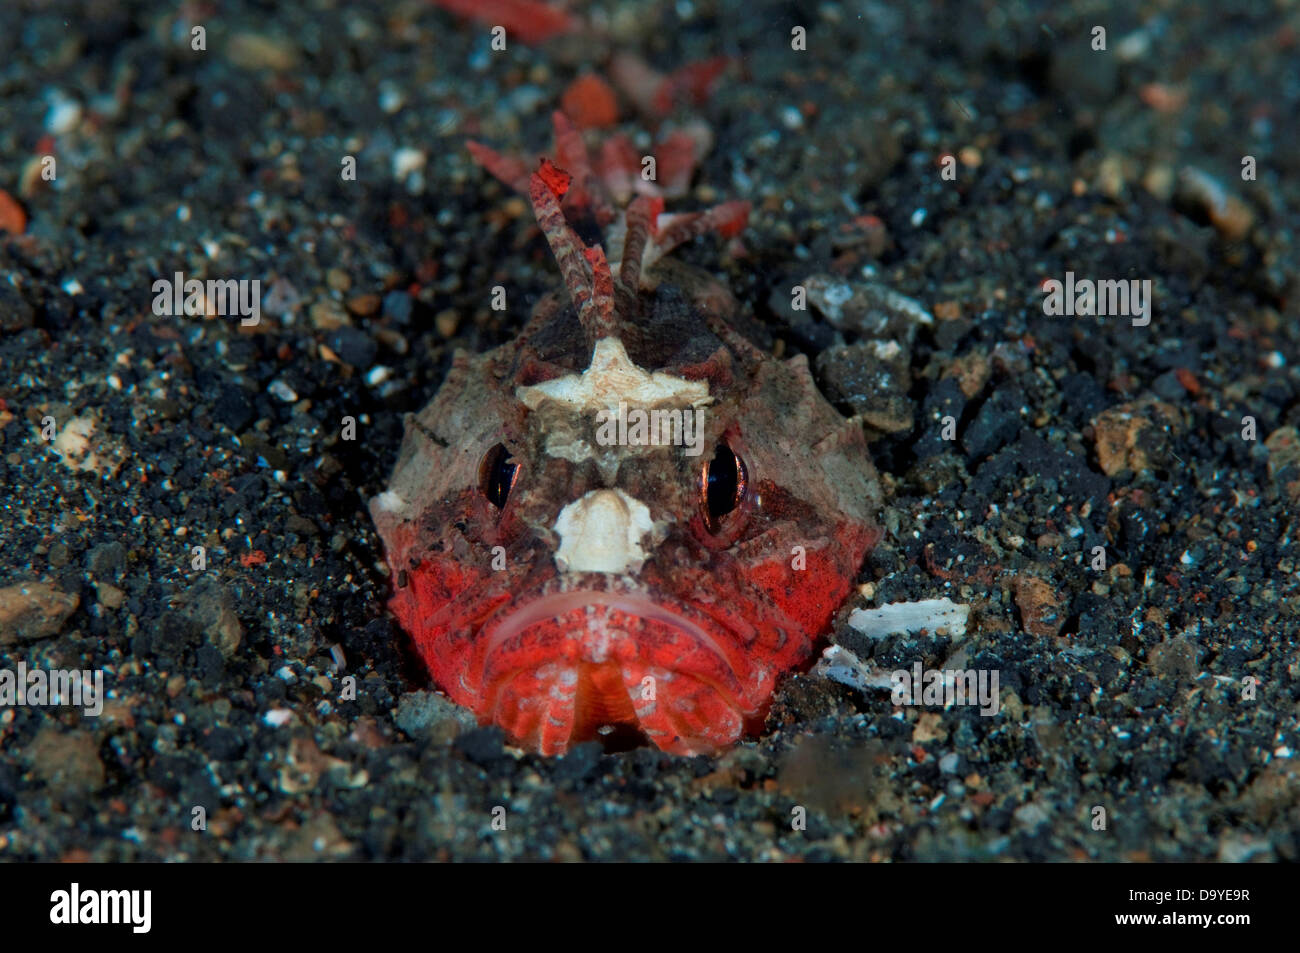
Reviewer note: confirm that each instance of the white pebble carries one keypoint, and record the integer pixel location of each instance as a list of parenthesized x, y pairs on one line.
[(63, 115), (406, 161), (391, 98)]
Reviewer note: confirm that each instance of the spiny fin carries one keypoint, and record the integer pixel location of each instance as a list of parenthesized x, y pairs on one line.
[(586, 271)]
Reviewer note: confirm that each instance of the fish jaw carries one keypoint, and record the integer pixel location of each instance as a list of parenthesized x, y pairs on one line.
[(555, 669)]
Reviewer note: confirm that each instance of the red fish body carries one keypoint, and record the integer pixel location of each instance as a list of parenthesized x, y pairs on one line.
[(629, 515)]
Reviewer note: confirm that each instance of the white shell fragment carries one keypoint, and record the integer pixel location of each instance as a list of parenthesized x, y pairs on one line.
[(900, 617), (838, 664)]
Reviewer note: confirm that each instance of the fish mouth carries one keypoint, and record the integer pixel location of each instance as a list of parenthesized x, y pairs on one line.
[(571, 665)]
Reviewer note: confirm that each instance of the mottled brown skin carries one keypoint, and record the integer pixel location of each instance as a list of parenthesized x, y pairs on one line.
[(685, 645)]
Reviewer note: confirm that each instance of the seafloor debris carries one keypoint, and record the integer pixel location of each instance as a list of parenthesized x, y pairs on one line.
[(1040, 609), (210, 609), (901, 617), (838, 664), (872, 378), (1230, 216), (33, 610), (82, 445), (1134, 436), (869, 375), (866, 307)]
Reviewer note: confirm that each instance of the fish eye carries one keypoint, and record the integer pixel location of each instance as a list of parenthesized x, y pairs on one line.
[(497, 476), (723, 483)]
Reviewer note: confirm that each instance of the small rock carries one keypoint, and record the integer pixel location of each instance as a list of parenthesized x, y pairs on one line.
[(1039, 609), (63, 115), (1283, 450), (872, 377), (1031, 815), (406, 161), (802, 324), (581, 762), (997, 423), (353, 346), (971, 372), (364, 305), (944, 399), (429, 716), (281, 298), (15, 313), (300, 525), (109, 596), (483, 746), (1243, 848), (33, 610), (1168, 387), (280, 389), (259, 51), (1134, 436), (947, 310), (445, 322), (319, 838), (328, 315), (306, 764), (233, 408), (211, 609), (397, 306), (107, 561), (67, 762)]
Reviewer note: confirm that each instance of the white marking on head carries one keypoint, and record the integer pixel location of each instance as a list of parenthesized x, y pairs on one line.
[(612, 377), (602, 532), (565, 447)]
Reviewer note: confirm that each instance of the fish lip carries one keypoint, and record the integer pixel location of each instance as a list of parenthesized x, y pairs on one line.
[(735, 689), (634, 601)]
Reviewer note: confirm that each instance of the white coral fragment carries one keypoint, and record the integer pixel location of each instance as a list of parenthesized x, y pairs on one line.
[(901, 617)]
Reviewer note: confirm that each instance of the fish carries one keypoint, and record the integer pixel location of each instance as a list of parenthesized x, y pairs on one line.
[(630, 518)]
